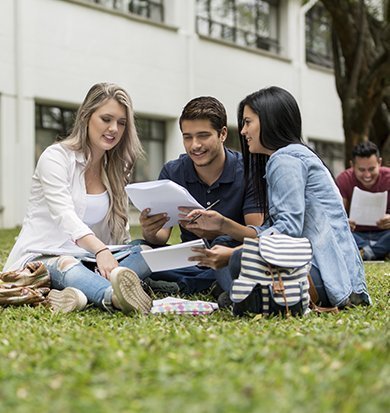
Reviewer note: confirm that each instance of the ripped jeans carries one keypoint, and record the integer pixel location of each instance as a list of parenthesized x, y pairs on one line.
[(67, 271)]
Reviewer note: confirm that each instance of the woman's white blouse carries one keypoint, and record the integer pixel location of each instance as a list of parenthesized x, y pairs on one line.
[(97, 208), (56, 206)]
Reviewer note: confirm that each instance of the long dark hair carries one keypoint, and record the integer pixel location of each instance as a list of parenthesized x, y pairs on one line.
[(280, 125)]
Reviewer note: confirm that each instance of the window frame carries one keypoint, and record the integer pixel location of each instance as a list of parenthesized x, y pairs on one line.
[(232, 32), (315, 18)]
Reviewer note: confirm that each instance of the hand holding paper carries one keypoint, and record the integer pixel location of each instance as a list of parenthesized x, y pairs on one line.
[(367, 208), (173, 256), (161, 196)]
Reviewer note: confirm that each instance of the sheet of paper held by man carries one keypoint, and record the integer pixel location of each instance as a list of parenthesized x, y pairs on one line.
[(161, 196), (367, 207), (173, 256)]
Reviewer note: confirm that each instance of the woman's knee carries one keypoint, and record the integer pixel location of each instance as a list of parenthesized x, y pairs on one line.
[(63, 263)]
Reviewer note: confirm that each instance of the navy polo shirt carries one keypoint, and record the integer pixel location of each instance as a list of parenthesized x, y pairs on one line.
[(235, 200)]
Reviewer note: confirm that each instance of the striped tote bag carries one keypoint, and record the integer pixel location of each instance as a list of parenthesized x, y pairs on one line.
[(273, 278)]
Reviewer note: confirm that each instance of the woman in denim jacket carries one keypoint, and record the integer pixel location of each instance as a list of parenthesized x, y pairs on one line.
[(300, 196), (78, 200)]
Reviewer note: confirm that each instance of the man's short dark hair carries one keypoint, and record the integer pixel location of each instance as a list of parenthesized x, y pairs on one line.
[(205, 108), (365, 150)]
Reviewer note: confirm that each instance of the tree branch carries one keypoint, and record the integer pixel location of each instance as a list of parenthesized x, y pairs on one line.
[(339, 77), (380, 72), (358, 58)]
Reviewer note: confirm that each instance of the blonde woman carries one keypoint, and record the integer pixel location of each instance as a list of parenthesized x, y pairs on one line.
[(78, 199)]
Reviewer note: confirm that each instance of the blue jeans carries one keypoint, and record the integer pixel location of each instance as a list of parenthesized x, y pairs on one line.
[(323, 299), (97, 289), (226, 275), (375, 244)]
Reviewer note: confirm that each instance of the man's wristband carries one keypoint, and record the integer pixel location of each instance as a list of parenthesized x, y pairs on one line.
[(101, 250)]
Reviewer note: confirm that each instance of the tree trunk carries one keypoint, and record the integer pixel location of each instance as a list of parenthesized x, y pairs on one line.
[(361, 44)]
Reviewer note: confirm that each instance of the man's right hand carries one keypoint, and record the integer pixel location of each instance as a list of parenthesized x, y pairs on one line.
[(352, 225), (152, 224)]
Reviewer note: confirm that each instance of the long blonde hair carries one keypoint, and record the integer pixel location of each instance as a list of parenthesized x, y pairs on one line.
[(118, 162)]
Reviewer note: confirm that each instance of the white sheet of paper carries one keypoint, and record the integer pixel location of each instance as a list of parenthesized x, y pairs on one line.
[(173, 256), (161, 196), (367, 207), (173, 300), (119, 251)]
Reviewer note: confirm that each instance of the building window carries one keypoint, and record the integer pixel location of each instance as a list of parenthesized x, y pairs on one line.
[(51, 123), (150, 9), (249, 23), (55, 123), (331, 153), (318, 37), (152, 134), (233, 139), (153, 10)]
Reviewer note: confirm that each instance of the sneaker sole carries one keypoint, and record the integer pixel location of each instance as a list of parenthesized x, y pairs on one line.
[(67, 300), (129, 292)]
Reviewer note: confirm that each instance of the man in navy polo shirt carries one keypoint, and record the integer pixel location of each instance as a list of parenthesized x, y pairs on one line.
[(210, 172)]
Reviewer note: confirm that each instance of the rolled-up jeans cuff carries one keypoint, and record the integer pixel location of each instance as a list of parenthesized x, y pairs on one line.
[(107, 300)]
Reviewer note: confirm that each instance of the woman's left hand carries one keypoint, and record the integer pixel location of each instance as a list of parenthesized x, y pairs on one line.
[(216, 257), (208, 220)]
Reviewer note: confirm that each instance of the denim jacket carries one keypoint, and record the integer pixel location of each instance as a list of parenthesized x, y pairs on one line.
[(304, 201)]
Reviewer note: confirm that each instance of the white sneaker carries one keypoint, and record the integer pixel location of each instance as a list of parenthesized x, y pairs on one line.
[(67, 300), (128, 292)]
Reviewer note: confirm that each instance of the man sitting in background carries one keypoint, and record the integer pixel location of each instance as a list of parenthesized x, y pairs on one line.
[(367, 174)]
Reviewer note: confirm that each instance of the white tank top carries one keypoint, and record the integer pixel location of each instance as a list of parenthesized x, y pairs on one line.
[(97, 208)]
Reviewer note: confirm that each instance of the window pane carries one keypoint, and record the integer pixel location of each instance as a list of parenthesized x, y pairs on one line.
[(331, 153), (318, 36), (251, 23), (152, 135), (150, 9), (233, 141), (153, 10), (149, 168), (52, 122)]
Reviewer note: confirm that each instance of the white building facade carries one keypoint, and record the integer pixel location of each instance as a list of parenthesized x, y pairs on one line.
[(163, 53)]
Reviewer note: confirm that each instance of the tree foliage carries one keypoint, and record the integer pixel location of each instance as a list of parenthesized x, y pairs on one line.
[(361, 51)]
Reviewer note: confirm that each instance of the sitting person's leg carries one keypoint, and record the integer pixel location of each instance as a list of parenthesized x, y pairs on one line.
[(361, 239), (67, 271), (225, 240), (226, 275), (323, 300), (68, 274), (135, 261), (381, 248), (373, 245), (190, 280)]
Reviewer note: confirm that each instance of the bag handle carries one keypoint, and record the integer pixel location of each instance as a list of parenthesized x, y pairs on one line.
[(314, 300), (278, 287)]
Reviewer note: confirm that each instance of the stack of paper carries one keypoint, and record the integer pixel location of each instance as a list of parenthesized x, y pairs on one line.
[(119, 252), (174, 256), (161, 196)]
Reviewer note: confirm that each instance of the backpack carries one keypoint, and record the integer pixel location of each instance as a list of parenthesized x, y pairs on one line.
[(29, 285), (273, 278)]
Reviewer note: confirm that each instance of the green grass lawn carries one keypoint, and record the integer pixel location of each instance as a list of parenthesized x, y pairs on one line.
[(98, 362)]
